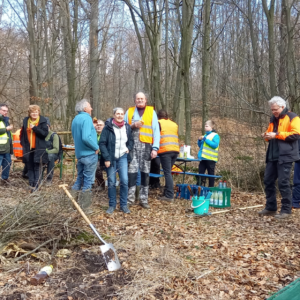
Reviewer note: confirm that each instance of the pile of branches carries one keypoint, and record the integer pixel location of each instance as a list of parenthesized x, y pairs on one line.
[(43, 219)]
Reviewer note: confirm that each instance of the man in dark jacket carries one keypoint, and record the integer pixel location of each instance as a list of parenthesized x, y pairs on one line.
[(5, 145), (282, 134)]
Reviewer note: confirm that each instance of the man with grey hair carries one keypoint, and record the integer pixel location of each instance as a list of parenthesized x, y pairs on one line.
[(146, 134), (86, 151), (282, 134)]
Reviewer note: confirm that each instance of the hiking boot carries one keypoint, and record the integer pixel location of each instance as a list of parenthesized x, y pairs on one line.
[(85, 199), (48, 182), (132, 203), (125, 209), (5, 181), (166, 199), (266, 212), (282, 216), (110, 210), (145, 205)]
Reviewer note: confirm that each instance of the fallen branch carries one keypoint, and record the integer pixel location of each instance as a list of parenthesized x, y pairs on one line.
[(30, 252)]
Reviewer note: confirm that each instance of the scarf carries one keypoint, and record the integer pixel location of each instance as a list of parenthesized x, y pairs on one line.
[(30, 132), (118, 124)]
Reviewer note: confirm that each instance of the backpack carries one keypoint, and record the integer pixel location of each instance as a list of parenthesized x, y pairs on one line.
[(60, 151)]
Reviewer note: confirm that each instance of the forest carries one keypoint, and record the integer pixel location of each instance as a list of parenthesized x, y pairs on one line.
[(198, 59), (221, 58)]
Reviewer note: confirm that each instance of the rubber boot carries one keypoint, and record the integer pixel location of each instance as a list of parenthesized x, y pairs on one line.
[(85, 201), (137, 194), (67, 201)]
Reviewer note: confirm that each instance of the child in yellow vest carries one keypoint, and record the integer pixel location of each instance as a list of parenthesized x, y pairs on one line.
[(208, 153)]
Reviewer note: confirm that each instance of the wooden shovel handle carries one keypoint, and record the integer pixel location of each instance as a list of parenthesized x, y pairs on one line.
[(190, 190), (63, 186)]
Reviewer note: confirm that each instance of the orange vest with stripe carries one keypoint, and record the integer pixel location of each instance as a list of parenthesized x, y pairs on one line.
[(17, 147), (168, 136), (146, 131)]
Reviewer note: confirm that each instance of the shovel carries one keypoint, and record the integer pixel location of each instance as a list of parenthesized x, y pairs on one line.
[(108, 250)]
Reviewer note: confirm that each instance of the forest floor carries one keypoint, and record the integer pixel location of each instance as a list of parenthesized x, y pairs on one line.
[(166, 252)]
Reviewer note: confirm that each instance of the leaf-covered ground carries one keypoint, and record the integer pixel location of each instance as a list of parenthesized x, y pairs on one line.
[(168, 253)]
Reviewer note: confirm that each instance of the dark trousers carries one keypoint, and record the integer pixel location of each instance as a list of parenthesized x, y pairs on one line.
[(52, 157), (167, 160), (208, 165), (33, 170), (296, 186), (282, 172), (99, 175), (154, 168)]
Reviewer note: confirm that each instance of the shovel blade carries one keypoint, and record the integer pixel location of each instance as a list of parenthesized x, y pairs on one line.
[(110, 257)]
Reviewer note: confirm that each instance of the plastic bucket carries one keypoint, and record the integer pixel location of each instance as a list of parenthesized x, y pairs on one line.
[(200, 205)]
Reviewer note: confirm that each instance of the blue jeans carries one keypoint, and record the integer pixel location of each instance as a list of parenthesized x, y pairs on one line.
[(86, 168), (120, 166), (6, 163), (138, 179)]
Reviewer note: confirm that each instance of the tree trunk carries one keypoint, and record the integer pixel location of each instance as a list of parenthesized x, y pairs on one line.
[(70, 48), (94, 56), (270, 18), (205, 62), (282, 52)]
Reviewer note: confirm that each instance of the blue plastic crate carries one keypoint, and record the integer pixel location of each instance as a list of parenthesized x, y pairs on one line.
[(184, 193)]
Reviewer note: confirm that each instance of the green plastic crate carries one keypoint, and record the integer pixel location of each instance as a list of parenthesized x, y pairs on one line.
[(289, 292), (226, 196)]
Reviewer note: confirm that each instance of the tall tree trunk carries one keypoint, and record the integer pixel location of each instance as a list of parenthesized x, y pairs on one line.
[(33, 83), (257, 66), (142, 51), (282, 51), (69, 31), (270, 18), (187, 38), (205, 61), (94, 56), (291, 64)]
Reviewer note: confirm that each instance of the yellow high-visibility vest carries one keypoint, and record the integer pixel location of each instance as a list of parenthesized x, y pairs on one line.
[(4, 136), (146, 131), (207, 151), (168, 136)]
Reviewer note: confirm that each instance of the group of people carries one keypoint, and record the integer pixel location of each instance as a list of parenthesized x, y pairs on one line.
[(38, 145), (126, 144)]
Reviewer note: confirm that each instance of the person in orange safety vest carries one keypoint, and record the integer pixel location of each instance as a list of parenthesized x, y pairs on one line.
[(283, 136), (143, 121), (168, 151)]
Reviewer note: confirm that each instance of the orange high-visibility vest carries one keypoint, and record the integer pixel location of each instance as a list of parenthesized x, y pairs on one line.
[(17, 147), (146, 131), (168, 136)]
